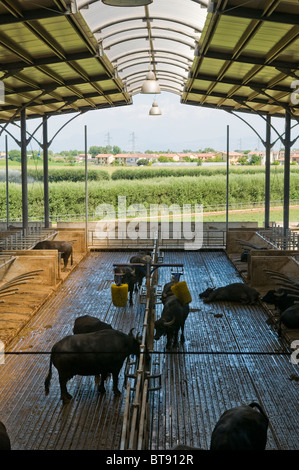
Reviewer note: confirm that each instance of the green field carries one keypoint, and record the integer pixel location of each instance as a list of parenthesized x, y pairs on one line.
[(147, 186)]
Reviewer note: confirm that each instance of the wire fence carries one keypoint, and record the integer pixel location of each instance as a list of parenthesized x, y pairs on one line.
[(94, 216)]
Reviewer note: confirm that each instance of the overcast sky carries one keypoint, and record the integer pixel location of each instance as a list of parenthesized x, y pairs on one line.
[(131, 128)]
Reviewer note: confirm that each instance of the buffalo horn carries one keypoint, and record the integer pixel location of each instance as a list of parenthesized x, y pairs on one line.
[(169, 323)]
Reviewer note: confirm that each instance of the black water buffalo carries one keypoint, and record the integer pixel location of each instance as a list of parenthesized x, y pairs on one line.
[(125, 275), (89, 324), (289, 318), (236, 292), (281, 298), (4, 438), (98, 353), (140, 271), (241, 428), (172, 320), (63, 247), (167, 292)]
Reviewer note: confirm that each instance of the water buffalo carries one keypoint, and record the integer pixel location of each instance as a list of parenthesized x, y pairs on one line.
[(4, 438), (167, 292), (63, 247), (140, 272), (241, 428), (172, 320), (236, 292), (125, 275), (289, 318), (281, 298), (98, 353), (89, 324)]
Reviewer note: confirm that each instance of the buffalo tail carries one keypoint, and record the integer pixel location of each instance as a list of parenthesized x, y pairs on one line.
[(48, 378)]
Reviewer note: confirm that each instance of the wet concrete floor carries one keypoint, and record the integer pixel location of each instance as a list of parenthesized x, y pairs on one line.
[(231, 356)]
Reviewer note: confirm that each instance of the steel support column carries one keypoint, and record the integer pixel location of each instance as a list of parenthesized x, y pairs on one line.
[(24, 172), (287, 158), (267, 172), (7, 183), (46, 172)]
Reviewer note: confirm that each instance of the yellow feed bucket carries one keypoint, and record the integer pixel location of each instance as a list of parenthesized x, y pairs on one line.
[(119, 295), (181, 291)]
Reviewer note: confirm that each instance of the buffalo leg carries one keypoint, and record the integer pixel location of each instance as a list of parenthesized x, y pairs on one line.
[(182, 336), (169, 340), (101, 387), (115, 383), (175, 338), (131, 288), (65, 396)]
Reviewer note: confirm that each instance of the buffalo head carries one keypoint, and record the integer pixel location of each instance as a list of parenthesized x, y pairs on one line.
[(206, 293)]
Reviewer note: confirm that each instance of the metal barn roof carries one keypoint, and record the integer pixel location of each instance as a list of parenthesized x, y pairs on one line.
[(64, 56), (51, 63), (247, 58)]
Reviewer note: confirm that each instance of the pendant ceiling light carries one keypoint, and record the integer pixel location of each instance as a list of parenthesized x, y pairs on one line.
[(155, 110), (127, 3), (150, 85)]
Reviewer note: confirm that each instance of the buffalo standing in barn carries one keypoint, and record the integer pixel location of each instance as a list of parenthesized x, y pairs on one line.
[(140, 272), (172, 319), (236, 292), (63, 247), (89, 324), (241, 428), (125, 275), (98, 353)]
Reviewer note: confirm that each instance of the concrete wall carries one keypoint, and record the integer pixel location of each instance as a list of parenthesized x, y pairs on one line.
[(70, 234)]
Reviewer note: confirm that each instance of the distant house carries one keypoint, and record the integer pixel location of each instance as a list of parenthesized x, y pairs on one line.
[(126, 158), (295, 158), (104, 158), (81, 157)]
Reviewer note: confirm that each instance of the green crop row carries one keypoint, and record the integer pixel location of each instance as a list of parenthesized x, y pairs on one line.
[(69, 197), (68, 174), (148, 173)]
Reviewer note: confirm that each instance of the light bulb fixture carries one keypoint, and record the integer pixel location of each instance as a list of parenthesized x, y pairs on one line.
[(150, 85), (127, 3), (155, 110)]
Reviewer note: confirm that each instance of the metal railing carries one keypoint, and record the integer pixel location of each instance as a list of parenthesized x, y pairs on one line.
[(93, 216), (19, 241), (136, 415), (281, 238)]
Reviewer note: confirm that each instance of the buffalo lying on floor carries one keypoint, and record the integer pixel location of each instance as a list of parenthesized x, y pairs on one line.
[(89, 324), (98, 353), (4, 438), (172, 319), (236, 292), (289, 318), (280, 298), (241, 428), (63, 247)]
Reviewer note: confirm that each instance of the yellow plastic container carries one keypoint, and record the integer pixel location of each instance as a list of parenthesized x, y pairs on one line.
[(182, 293), (119, 295)]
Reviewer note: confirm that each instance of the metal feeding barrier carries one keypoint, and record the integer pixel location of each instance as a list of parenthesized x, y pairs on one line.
[(136, 415)]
